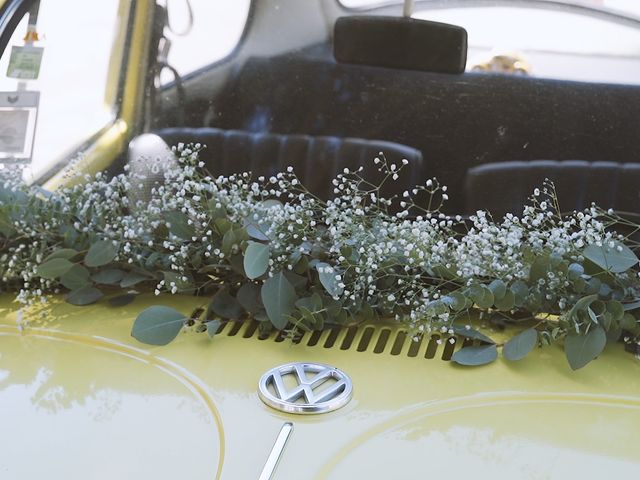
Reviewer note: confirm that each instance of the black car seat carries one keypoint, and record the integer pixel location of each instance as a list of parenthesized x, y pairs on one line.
[(504, 187), (315, 159)]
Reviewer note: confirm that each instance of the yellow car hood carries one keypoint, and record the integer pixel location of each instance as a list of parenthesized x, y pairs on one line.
[(80, 398)]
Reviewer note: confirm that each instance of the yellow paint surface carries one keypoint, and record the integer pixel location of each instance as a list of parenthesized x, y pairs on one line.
[(86, 400)]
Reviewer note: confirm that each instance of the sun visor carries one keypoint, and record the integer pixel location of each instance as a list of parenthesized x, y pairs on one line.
[(398, 42)]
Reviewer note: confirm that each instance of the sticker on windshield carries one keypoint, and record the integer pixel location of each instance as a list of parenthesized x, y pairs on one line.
[(18, 113), (24, 63)]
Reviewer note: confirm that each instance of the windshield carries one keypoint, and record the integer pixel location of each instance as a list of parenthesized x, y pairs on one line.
[(627, 7)]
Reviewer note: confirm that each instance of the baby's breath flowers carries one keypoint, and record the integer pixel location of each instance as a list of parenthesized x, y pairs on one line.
[(270, 250)]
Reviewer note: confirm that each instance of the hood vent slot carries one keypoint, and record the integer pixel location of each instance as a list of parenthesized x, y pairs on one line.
[(369, 338)]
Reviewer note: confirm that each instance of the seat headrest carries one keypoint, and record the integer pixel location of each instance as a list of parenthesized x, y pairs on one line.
[(397, 42)]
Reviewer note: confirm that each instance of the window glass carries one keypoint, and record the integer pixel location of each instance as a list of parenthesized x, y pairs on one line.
[(72, 102), (622, 6), (202, 32)]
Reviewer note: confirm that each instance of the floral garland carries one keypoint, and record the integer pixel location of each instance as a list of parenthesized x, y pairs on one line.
[(270, 250)]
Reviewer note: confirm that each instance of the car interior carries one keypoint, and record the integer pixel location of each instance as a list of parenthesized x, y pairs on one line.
[(323, 94)]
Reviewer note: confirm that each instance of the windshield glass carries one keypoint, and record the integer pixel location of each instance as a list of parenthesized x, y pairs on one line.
[(64, 84), (627, 7)]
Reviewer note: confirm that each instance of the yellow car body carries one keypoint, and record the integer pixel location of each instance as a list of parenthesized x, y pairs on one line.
[(90, 402), (80, 398)]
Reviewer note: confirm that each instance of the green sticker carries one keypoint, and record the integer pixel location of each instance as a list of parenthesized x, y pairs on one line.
[(24, 62)]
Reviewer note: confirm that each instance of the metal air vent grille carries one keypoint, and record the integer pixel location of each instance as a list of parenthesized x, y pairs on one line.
[(367, 338)]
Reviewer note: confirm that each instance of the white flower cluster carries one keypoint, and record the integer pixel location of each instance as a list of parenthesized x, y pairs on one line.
[(398, 257)]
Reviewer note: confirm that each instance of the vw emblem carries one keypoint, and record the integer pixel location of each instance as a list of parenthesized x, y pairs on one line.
[(305, 388)]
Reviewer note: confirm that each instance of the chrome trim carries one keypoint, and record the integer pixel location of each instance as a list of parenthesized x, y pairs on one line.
[(326, 400), (276, 452)]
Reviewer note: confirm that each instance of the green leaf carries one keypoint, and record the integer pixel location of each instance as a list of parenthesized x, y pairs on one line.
[(179, 225), (226, 306), (133, 278), (616, 259), (327, 275), (122, 300), (539, 268), (84, 296), (575, 271), (581, 349), (475, 355), (100, 253), (507, 302), (66, 253), (158, 325), (298, 281), (278, 297), (313, 303), (256, 259), (630, 324), (77, 277), (498, 288), (519, 346), (481, 295), (248, 297), (54, 268), (520, 292), (582, 304), (616, 310), (471, 333), (456, 300), (212, 327), (110, 276)]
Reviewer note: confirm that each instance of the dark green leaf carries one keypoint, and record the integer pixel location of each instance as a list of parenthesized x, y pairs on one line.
[(581, 349), (519, 346), (616, 310), (101, 253), (256, 259), (475, 355), (520, 292), (257, 230), (629, 322), (312, 303), (278, 297), (133, 278), (298, 281), (498, 288), (471, 333), (122, 300), (110, 276), (617, 258), (66, 253), (327, 275), (456, 300), (507, 302), (54, 268), (179, 224), (248, 297), (77, 277), (481, 295), (84, 296), (581, 305), (158, 325), (539, 268), (575, 271), (226, 306)]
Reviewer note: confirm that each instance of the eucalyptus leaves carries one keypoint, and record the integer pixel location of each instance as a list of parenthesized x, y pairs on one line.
[(270, 250)]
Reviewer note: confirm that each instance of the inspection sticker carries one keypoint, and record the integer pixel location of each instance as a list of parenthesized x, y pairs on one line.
[(24, 62)]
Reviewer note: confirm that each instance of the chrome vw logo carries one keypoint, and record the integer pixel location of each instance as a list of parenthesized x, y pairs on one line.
[(305, 388)]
